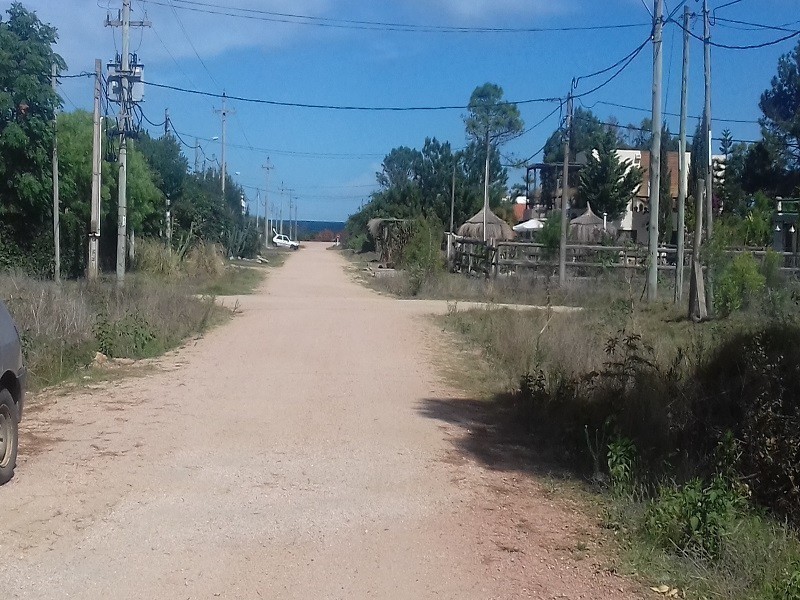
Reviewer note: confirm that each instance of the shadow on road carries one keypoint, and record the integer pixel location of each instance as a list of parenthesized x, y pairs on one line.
[(490, 434)]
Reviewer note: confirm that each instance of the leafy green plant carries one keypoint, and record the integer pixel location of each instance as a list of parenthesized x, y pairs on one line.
[(788, 588), (695, 519), (550, 235), (423, 253), (128, 337), (622, 466), (737, 284)]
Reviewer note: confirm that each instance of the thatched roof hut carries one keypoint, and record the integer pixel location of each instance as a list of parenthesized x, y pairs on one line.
[(496, 228), (588, 228)]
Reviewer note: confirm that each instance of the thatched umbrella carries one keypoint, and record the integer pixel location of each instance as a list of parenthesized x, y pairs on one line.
[(496, 228), (587, 228)]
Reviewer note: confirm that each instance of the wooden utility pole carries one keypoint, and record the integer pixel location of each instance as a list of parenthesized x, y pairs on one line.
[(698, 311), (267, 230), (97, 154), (655, 154), (56, 202), (562, 246), (452, 214), (486, 186), (684, 169), (707, 147)]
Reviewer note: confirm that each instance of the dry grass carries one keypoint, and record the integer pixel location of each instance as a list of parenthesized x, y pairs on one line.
[(164, 301)]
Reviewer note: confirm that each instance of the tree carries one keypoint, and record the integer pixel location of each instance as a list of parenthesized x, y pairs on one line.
[(27, 106), (781, 107), (586, 133), (605, 183), (492, 121)]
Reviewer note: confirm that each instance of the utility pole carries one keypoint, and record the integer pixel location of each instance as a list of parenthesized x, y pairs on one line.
[(280, 211), (486, 186), (707, 132), (655, 153), (122, 213), (166, 122), (224, 112), (698, 311), (452, 214), (684, 169), (126, 77), (267, 230), (56, 202), (97, 153), (562, 246), (196, 155), (169, 226)]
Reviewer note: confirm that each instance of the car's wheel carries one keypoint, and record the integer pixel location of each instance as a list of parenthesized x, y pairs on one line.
[(9, 435)]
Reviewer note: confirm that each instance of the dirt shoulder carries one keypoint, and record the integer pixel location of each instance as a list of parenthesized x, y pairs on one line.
[(308, 449)]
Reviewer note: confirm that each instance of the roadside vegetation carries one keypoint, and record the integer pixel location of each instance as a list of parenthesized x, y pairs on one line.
[(165, 301), (687, 433)]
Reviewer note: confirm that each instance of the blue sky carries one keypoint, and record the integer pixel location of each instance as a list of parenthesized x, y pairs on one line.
[(330, 157)]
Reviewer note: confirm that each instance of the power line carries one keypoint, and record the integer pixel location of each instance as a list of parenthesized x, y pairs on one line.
[(338, 107), (297, 19), (631, 57), (789, 36), (189, 39), (296, 153), (672, 114)]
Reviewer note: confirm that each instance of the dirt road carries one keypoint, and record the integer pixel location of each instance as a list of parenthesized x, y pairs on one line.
[(306, 450)]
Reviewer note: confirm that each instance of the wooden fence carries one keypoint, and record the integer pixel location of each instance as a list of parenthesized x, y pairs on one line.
[(473, 256)]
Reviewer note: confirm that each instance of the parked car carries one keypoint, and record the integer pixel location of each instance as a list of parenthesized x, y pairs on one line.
[(283, 241), (13, 377)]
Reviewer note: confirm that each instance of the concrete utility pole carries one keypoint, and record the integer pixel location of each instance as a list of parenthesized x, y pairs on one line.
[(56, 202), (562, 246), (97, 140), (684, 170), (267, 229), (122, 212), (126, 78), (166, 122), (196, 155), (224, 112), (708, 151), (655, 153)]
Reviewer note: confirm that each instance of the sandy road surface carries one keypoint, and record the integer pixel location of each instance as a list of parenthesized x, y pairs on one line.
[(305, 450)]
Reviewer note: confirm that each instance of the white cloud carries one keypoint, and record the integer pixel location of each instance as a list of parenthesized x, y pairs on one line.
[(84, 37)]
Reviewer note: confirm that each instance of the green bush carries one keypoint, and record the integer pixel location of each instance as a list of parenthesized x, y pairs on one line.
[(550, 235), (738, 283), (129, 337), (422, 256), (695, 518)]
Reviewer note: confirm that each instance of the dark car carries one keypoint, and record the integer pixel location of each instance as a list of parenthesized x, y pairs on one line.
[(13, 377)]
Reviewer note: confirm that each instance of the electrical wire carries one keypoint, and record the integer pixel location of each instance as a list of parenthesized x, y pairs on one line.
[(631, 58), (295, 153), (339, 107), (297, 19), (672, 114), (191, 43), (789, 36)]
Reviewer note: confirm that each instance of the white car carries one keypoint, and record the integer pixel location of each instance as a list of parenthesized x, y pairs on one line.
[(283, 241)]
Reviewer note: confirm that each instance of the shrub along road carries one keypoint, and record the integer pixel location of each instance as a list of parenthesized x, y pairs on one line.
[(307, 449)]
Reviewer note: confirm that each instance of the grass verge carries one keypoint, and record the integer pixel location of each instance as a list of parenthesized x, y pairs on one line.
[(662, 419), (164, 302)]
